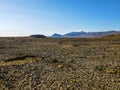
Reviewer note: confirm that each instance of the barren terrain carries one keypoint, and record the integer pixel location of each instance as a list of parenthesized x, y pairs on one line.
[(60, 64)]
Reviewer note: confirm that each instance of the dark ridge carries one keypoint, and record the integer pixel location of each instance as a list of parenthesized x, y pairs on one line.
[(38, 36), (19, 58)]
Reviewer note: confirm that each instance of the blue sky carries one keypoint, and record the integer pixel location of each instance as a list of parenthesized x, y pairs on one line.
[(26, 17)]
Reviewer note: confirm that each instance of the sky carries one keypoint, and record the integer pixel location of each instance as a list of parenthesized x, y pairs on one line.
[(26, 17)]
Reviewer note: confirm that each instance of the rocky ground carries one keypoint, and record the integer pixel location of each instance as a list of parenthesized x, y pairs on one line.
[(59, 64)]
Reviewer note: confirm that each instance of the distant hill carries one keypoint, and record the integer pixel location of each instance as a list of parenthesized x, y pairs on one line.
[(117, 36), (38, 36), (56, 35), (75, 34), (86, 34)]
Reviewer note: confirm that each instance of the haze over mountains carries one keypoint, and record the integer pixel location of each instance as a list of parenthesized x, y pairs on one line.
[(84, 34)]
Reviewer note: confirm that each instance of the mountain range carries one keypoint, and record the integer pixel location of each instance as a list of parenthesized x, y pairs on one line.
[(84, 34)]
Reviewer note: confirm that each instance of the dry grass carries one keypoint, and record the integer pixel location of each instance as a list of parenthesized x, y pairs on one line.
[(60, 64), (112, 71), (2, 83), (19, 61)]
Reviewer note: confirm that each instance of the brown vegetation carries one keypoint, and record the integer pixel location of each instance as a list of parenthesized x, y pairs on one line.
[(60, 64)]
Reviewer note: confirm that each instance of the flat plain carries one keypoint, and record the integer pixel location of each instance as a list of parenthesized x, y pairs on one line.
[(60, 64)]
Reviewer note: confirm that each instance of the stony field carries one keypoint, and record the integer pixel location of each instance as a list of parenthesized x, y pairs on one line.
[(59, 64)]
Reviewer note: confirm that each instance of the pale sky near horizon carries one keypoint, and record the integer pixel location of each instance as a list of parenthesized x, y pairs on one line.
[(26, 17)]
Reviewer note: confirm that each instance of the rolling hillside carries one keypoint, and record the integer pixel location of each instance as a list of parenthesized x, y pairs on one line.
[(117, 36)]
